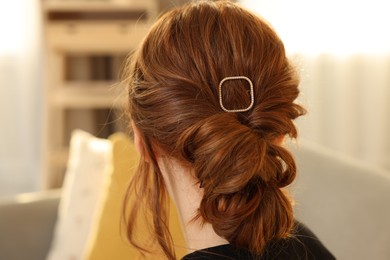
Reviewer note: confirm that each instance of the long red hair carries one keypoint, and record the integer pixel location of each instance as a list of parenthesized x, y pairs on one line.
[(173, 99)]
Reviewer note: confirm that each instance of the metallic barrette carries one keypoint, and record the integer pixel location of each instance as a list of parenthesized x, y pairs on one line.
[(251, 93)]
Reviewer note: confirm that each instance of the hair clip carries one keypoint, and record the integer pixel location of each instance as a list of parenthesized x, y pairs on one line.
[(251, 94)]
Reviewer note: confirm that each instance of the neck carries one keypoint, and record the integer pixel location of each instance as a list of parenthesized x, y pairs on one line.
[(186, 194)]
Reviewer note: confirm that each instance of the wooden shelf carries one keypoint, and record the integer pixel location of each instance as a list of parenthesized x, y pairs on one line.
[(86, 42), (96, 37), (59, 156), (101, 5), (88, 95)]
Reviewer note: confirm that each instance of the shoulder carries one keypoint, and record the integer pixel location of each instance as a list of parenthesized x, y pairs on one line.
[(302, 245)]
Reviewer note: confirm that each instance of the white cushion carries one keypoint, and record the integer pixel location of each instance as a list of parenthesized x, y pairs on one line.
[(89, 161)]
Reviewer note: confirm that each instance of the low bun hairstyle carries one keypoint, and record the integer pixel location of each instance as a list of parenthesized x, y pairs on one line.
[(242, 175), (236, 158)]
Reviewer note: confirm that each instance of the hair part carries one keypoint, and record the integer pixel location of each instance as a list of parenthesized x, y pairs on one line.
[(173, 100)]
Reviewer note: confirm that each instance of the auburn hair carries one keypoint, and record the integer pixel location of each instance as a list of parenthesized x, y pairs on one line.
[(173, 82)]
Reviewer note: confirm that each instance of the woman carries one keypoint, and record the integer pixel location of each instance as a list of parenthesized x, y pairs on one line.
[(211, 97)]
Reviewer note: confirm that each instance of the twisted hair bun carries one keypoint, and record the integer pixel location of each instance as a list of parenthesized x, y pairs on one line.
[(242, 175), (174, 101)]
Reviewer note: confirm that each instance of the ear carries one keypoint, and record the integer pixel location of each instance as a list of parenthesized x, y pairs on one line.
[(139, 142)]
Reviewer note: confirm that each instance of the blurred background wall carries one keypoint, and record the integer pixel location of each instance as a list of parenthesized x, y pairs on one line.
[(340, 47), (343, 53), (20, 95)]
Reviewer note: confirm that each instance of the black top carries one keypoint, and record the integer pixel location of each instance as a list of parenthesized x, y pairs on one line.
[(303, 245)]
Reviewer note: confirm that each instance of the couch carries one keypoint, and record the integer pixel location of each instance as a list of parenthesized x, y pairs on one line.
[(26, 225), (345, 202)]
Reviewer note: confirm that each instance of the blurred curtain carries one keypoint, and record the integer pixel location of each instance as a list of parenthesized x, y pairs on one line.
[(20, 96), (348, 99), (342, 49)]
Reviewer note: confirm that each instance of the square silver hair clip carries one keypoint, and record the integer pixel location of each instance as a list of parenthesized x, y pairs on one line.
[(251, 94)]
